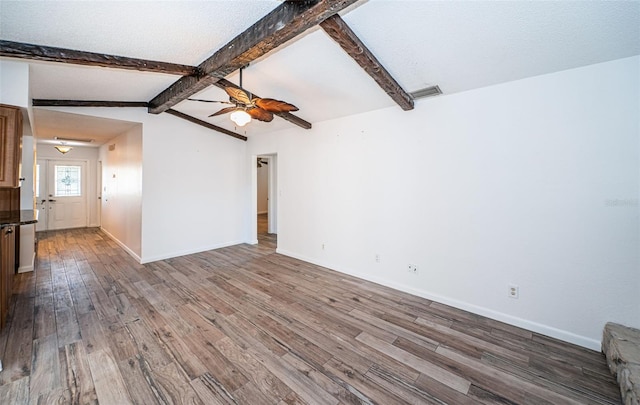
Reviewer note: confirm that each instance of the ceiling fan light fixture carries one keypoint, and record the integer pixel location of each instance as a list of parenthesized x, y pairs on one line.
[(63, 148), (240, 117)]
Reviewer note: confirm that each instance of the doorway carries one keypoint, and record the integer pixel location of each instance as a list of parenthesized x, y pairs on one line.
[(61, 194), (266, 212)]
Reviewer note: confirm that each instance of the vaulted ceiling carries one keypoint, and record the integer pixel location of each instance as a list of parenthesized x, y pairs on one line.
[(457, 45)]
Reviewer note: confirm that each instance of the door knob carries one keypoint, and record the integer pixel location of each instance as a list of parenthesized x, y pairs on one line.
[(43, 201), (52, 200)]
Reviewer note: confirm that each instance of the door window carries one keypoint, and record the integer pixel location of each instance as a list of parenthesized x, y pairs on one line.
[(68, 181)]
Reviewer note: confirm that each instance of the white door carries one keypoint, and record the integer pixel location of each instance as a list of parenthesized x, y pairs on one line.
[(62, 196)]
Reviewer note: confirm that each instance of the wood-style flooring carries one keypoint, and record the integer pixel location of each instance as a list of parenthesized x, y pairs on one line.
[(244, 325)]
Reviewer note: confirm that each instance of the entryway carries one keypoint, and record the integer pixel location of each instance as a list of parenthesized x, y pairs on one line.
[(266, 199), (61, 194)]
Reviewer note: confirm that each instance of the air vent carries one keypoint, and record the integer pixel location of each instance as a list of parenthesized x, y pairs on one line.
[(59, 138), (426, 92)]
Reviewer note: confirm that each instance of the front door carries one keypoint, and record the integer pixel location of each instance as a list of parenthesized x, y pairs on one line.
[(62, 197)]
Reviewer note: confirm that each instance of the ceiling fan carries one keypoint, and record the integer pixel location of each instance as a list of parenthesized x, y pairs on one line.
[(262, 161), (245, 106)]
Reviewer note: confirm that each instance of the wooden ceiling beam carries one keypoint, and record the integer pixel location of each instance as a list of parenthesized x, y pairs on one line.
[(222, 83), (62, 55), (340, 32), (205, 124), (287, 21), (38, 102)]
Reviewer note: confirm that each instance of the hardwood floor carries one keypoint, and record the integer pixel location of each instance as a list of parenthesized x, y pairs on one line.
[(244, 325)]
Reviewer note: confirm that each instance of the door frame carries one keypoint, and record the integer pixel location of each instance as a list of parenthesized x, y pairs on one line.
[(86, 179), (272, 206), (99, 193)]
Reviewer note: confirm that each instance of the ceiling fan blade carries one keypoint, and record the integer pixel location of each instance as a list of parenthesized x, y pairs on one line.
[(273, 105), (238, 94), (262, 162), (208, 101), (223, 111), (260, 114)]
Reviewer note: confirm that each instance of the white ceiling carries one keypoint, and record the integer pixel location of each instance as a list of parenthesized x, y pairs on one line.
[(458, 45)]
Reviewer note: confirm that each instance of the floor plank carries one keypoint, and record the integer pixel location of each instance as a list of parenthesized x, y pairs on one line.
[(107, 378), (244, 325), (45, 374), (76, 374)]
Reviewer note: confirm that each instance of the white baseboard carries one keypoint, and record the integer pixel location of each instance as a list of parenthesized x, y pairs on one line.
[(188, 252), (29, 267), (122, 245), (547, 330)]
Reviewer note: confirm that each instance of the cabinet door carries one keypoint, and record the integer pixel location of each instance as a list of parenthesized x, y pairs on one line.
[(7, 270), (10, 145)]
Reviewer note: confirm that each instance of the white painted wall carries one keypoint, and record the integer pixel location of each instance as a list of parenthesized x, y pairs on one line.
[(87, 154), (121, 208), (263, 188), (193, 187), (14, 83), (27, 201), (533, 182), (27, 254)]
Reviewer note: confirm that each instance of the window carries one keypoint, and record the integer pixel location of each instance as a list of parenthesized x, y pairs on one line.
[(67, 180)]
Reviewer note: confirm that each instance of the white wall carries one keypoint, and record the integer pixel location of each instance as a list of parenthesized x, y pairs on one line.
[(26, 257), (193, 185), (121, 208), (27, 201), (517, 183), (263, 188), (193, 188), (14, 83), (88, 154)]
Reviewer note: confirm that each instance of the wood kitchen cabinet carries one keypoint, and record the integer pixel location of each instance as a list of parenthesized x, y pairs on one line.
[(10, 158), (10, 145), (7, 270)]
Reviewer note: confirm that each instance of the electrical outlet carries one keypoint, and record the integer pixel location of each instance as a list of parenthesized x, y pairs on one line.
[(377, 258), (514, 291), (412, 268), (323, 246)]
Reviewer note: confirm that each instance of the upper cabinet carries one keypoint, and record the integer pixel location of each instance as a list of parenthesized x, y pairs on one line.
[(10, 145)]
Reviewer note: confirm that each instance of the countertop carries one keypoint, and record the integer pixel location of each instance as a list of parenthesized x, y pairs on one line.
[(22, 217)]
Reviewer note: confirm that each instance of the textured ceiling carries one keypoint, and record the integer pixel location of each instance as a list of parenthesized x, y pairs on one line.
[(458, 45)]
